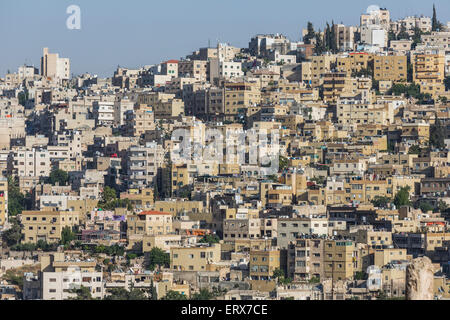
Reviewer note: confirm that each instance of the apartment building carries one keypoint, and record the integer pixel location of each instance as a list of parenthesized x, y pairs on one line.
[(142, 164), (290, 229), (164, 105), (305, 259), (196, 258), (32, 163), (54, 67), (263, 263), (390, 68), (240, 96), (47, 225), (237, 229), (429, 73), (197, 69), (339, 259), (60, 274), (354, 62), (149, 223), (139, 120)]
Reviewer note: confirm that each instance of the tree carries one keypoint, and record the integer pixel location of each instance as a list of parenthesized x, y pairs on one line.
[(447, 83), (283, 163), (311, 34), (360, 275), (320, 46), (436, 25), (67, 235), (279, 275), (414, 149), (123, 294), (403, 34), (417, 37), (158, 258), (333, 42), (174, 295), (109, 194), (434, 19), (402, 197), (442, 206), (425, 207), (437, 134), (16, 199), (59, 177), (204, 295), (13, 235), (82, 293), (381, 202), (210, 239)]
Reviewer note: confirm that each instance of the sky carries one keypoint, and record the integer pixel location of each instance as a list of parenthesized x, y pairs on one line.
[(135, 33)]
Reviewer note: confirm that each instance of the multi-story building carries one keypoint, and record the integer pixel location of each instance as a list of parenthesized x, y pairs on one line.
[(391, 68), (54, 67), (149, 223), (429, 73), (142, 164), (194, 258), (339, 259), (60, 275), (47, 225), (305, 259), (263, 263)]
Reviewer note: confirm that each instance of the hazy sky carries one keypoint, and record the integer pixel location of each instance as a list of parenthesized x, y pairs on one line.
[(133, 33)]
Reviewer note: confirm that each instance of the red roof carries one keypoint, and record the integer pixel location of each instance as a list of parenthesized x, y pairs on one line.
[(147, 213), (172, 61)]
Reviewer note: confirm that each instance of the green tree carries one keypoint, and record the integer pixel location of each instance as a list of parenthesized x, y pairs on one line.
[(210, 238), (403, 34), (437, 134), (402, 197), (59, 177), (174, 295), (447, 83), (203, 295), (320, 46), (381, 202), (311, 34), (82, 293), (425, 207), (123, 294), (442, 206), (414, 149), (13, 235), (16, 200), (333, 41), (109, 194), (158, 258), (67, 235), (436, 25), (283, 163)]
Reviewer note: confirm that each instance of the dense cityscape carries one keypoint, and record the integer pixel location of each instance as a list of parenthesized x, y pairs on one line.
[(285, 170)]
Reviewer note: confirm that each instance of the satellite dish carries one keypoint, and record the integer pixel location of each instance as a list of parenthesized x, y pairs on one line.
[(373, 9)]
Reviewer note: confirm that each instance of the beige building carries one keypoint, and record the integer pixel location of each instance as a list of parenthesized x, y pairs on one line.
[(54, 67), (429, 73), (47, 225), (264, 263), (390, 68), (149, 223), (198, 258)]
